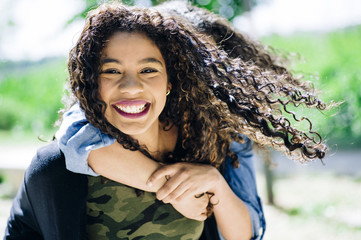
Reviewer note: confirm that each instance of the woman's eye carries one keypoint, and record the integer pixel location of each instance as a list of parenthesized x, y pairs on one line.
[(149, 70), (111, 71)]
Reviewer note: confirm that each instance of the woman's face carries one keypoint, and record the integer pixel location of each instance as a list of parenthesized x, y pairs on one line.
[(133, 83)]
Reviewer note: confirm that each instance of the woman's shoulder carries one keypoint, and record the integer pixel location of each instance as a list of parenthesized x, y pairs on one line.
[(47, 158), (48, 165)]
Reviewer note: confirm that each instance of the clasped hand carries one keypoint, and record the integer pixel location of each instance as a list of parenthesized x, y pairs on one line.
[(185, 182)]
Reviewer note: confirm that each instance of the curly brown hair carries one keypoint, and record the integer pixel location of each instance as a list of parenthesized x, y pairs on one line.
[(224, 86)]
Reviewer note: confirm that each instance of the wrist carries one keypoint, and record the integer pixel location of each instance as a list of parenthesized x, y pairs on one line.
[(217, 189), (218, 184)]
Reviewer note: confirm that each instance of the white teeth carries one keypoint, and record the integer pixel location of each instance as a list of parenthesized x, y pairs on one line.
[(132, 109)]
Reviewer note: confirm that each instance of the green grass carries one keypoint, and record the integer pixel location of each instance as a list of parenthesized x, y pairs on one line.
[(332, 61), (30, 95)]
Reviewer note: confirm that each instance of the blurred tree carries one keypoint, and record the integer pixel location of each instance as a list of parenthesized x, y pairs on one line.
[(226, 8), (6, 23)]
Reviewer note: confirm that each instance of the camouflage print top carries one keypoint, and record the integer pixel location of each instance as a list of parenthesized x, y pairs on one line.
[(116, 212)]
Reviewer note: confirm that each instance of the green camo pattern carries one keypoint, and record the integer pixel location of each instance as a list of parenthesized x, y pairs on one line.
[(116, 212)]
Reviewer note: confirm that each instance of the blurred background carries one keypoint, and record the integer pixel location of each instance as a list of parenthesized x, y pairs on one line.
[(322, 38)]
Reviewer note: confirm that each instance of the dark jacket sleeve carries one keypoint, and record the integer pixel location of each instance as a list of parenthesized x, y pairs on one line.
[(22, 223), (51, 201)]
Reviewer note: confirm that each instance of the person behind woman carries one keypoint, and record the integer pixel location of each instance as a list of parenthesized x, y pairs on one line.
[(161, 85)]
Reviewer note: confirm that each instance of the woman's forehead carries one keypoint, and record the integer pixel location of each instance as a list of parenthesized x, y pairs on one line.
[(134, 45)]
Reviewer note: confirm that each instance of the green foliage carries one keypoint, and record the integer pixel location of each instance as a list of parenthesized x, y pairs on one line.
[(332, 61), (30, 95), (226, 8)]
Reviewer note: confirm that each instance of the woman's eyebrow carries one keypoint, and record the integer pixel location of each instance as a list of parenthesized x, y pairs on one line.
[(109, 60), (145, 60), (151, 60)]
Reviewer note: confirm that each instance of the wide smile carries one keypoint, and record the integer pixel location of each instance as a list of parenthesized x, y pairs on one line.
[(132, 109)]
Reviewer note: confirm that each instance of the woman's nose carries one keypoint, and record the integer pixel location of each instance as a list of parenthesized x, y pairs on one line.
[(131, 84)]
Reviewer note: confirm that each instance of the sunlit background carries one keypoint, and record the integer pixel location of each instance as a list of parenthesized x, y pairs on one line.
[(321, 37)]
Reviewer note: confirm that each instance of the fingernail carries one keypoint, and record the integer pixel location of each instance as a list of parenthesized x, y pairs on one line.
[(149, 184)]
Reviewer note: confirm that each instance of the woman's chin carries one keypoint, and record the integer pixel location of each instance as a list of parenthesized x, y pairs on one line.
[(133, 130)]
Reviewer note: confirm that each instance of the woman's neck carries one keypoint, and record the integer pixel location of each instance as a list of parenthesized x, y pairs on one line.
[(158, 141)]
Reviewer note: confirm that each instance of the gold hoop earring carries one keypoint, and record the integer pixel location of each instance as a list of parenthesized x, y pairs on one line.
[(167, 92)]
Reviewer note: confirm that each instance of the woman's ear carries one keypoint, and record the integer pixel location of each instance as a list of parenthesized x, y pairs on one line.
[(169, 86)]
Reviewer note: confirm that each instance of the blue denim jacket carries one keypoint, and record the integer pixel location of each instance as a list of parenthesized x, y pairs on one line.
[(77, 137)]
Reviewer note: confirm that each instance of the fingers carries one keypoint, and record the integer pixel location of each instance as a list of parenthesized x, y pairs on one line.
[(181, 182), (163, 172), (201, 217), (173, 188), (193, 208), (176, 195), (199, 213)]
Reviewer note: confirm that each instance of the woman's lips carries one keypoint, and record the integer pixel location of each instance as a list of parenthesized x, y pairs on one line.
[(132, 109)]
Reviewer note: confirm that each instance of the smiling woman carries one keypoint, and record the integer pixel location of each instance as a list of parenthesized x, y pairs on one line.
[(133, 83), (168, 100)]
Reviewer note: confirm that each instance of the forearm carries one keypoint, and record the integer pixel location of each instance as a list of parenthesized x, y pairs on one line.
[(232, 215), (131, 168)]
